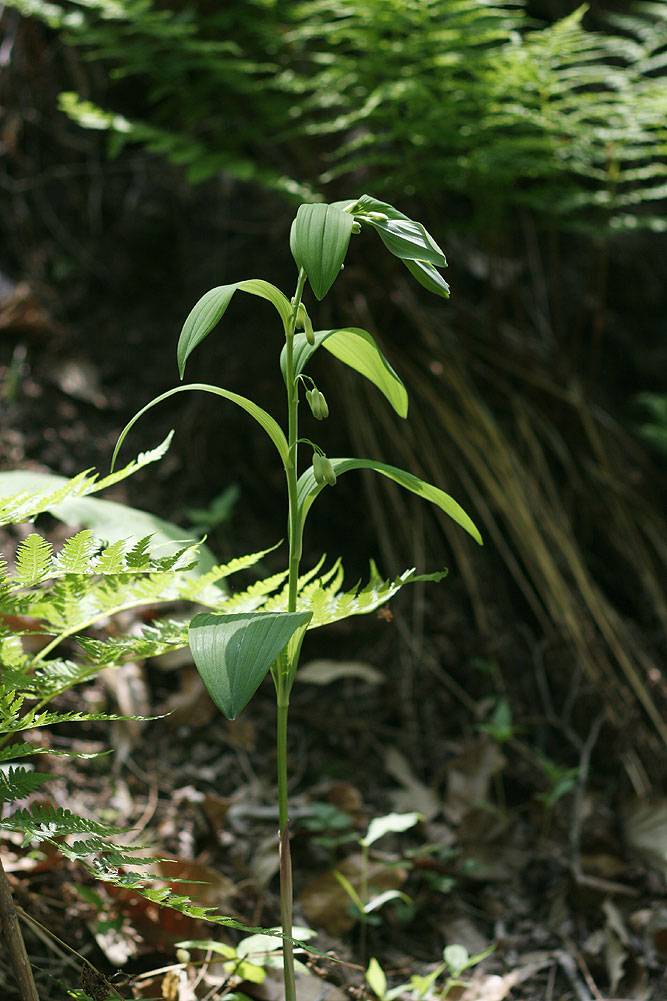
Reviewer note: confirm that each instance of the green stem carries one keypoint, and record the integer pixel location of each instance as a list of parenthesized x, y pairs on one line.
[(292, 436), (285, 855), (285, 672)]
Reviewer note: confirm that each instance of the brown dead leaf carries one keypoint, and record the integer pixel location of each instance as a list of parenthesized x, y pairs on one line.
[(327, 905), (644, 824), (347, 798), (169, 986), (489, 845), (469, 778), (414, 795), (491, 987)]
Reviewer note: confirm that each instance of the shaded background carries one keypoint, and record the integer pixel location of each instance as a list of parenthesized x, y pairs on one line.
[(153, 150)]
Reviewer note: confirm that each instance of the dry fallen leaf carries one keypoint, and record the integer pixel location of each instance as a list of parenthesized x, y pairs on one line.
[(323, 672), (644, 823), (469, 778), (414, 795)]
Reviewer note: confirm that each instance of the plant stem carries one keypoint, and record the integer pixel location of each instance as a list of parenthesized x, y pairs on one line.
[(15, 944), (292, 436), (285, 677)]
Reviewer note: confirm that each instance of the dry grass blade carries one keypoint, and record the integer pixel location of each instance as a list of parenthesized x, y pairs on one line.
[(528, 483)]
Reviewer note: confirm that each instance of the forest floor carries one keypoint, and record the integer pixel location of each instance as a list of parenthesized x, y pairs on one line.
[(529, 856)]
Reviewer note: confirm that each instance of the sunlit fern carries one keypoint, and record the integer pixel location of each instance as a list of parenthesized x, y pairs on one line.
[(458, 97), (57, 596)]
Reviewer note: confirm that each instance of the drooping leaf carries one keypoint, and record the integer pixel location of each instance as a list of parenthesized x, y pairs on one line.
[(402, 236), (266, 422), (208, 311), (354, 347), (234, 652), (429, 277), (308, 489), (319, 239)]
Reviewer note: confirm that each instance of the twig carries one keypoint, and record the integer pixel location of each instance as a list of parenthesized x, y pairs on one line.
[(15, 944), (577, 807), (581, 963)]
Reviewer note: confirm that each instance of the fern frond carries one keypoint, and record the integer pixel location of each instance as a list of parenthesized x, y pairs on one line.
[(76, 553), (24, 750), (18, 783), (24, 495), (12, 654), (57, 676), (157, 638), (44, 823), (34, 718), (33, 560), (143, 459), (328, 604), (11, 704)]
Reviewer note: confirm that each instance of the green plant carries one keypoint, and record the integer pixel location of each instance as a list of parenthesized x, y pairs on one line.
[(563, 119), (53, 607), (234, 651), (365, 902), (655, 429), (456, 960)]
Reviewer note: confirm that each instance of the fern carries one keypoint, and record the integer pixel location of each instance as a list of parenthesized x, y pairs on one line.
[(19, 505), (19, 783), (155, 639), (46, 823), (24, 750), (33, 560)]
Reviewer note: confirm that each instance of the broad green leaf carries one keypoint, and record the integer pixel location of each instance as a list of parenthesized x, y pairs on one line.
[(265, 420), (357, 348), (234, 652), (208, 311), (308, 489), (376, 979), (402, 236), (319, 239), (429, 277), (392, 823)]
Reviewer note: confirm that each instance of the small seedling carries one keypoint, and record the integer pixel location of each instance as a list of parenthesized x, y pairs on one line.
[(456, 960), (364, 902), (233, 652)]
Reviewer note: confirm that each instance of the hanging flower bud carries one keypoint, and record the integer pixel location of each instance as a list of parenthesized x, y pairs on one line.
[(318, 470), (304, 322), (328, 471), (313, 397), (356, 227), (324, 407)]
